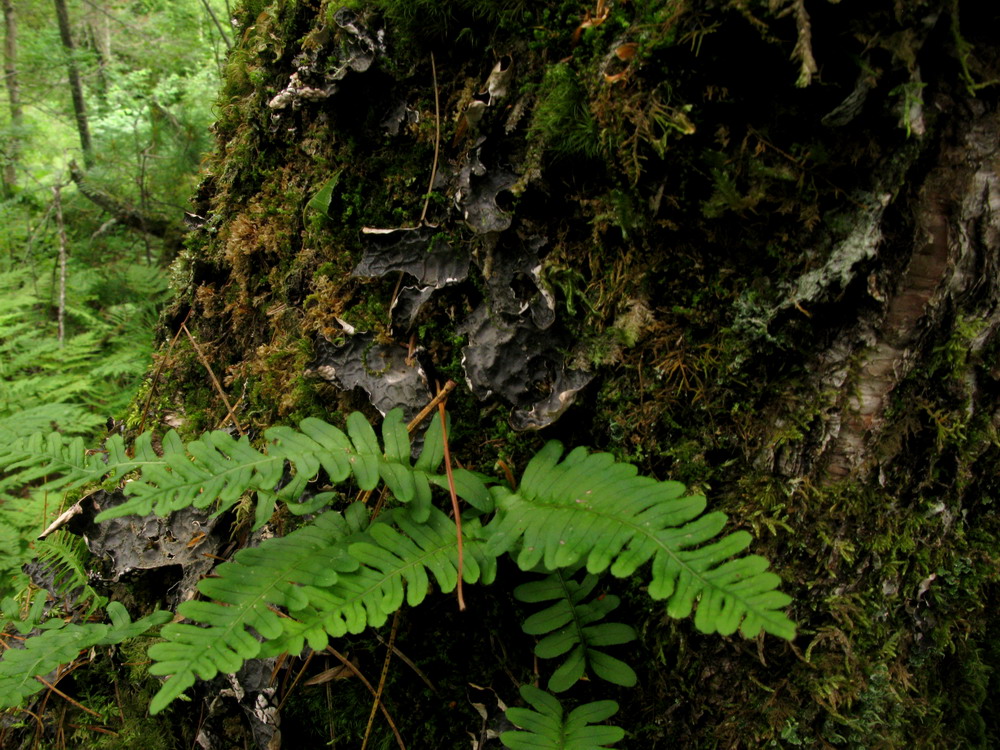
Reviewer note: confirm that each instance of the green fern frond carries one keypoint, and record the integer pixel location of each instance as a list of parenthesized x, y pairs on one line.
[(64, 463), (72, 419), (588, 508), (63, 555), (14, 552), (547, 728), (331, 577), (282, 571), (218, 469), (387, 575), (47, 651), (572, 627)]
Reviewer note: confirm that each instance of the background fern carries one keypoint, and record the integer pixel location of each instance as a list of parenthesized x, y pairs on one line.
[(78, 383), (43, 653)]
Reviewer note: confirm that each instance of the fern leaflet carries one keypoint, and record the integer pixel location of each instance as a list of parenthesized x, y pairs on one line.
[(569, 628), (588, 508), (546, 727)]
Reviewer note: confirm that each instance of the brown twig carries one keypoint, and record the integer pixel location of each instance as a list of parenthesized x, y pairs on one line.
[(157, 372), (442, 394), (454, 499), (228, 416), (437, 140), (295, 682), (61, 694), (381, 679), (410, 663), (215, 380), (364, 680)]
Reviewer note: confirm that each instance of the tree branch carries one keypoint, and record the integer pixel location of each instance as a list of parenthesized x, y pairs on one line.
[(170, 232)]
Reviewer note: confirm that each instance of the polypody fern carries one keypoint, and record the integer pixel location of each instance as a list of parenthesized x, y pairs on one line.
[(342, 571)]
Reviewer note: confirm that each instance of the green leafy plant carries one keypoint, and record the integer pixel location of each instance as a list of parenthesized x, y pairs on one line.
[(74, 384), (562, 119), (59, 644), (546, 726), (569, 628), (343, 571)]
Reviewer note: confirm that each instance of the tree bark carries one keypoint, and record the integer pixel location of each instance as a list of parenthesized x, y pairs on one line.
[(75, 84), (13, 155), (753, 247)]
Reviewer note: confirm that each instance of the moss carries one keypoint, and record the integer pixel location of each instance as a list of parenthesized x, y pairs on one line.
[(562, 118)]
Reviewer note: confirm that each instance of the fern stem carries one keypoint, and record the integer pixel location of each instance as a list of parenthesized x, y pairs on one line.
[(215, 380)]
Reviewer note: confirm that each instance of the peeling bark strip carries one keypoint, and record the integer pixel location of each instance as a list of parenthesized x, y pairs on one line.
[(957, 212)]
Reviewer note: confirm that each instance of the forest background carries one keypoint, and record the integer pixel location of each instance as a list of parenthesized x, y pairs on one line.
[(80, 282)]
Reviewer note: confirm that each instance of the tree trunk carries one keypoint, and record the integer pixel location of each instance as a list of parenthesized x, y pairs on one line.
[(61, 232), (75, 85), (650, 233), (13, 155)]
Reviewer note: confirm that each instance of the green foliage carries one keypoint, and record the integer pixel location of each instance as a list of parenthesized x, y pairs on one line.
[(217, 470), (61, 644), (64, 463), (470, 22), (569, 628), (63, 556), (588, 508), (342, 572), (73, 385), (320, 202), (546, 726), (332, 577)]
